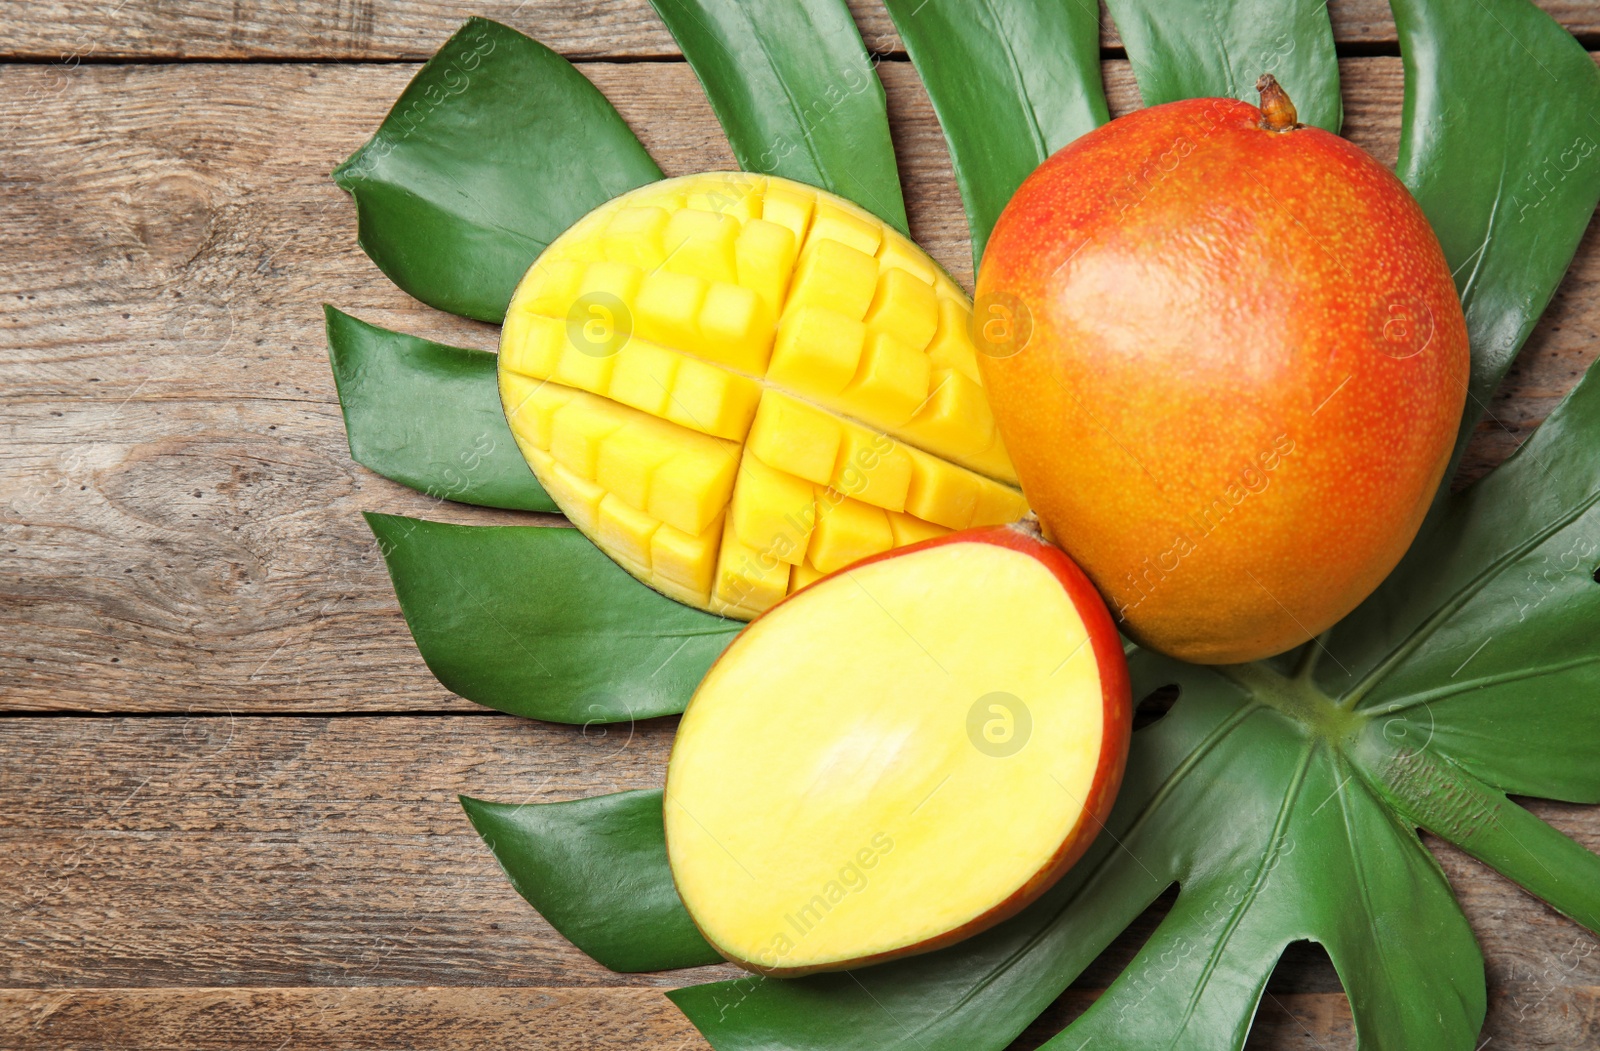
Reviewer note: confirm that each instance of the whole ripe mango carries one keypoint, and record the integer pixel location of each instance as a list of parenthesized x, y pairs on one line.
[(1228, 359)]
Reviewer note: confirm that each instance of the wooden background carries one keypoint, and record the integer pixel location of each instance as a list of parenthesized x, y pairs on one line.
[(227, 781)]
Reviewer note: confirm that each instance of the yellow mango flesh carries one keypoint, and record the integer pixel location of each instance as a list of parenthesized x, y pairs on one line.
[(736, 383), (824, 812)]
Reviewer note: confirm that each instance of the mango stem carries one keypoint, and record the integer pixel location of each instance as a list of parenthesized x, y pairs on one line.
[(1277, 112)]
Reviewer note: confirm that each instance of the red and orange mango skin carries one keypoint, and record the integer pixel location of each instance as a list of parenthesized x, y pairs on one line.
[(1246, 367)]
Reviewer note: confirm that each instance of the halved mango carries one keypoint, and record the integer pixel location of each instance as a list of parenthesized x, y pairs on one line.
[(952, 755), (752, 355)]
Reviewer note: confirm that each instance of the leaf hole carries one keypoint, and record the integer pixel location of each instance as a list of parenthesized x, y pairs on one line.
[(1155, 706), (1597, 574), (1304, 974)]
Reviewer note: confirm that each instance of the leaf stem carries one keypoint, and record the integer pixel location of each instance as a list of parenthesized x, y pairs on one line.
[(1297, 697)]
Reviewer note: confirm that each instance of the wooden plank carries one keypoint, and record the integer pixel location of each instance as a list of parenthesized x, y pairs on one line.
[(515, 1019), (269, 851), (175, 867), (179, 516), (73, 31), (369, 1019)]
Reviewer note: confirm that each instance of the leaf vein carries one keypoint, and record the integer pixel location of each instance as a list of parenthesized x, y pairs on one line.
[(1457, 601), (1257, 881)]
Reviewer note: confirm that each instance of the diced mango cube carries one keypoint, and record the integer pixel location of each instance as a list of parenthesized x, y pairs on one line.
[(735, 328), (909, 529), (772, 511), (765, 255), (600, 322), (905, 308), (803, 574), (531, 343), (835, 276), (701, 244), (540, 460), (579, 497), (794, 437), (900, 253), (661, 195), (955, 421), (952, 344), (789, 206), (578, 429), (550, 287), (817, 351), (691, 489), (704, 223), (944, 287), (941, 492), (668, 309), (737, 194), (847, 531), (631, 454), (688, 560), (998, 504), (891, 384), (994, 462), (846, 224), (637, 236), (712, 400), (588, 241), (612, 279), (643, 376), (584, 369), (625, 531), (748, 581), (874, 469), (531, 406)]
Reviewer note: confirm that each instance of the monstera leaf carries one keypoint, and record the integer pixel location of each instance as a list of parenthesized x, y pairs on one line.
[(1283, 798), (613, 845), (423, 414), (496, 147), (537, 622), (796, 93), (1012, 83)]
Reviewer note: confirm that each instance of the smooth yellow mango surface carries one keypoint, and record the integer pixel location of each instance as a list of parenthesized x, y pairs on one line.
[(832, 795), (736, 383)]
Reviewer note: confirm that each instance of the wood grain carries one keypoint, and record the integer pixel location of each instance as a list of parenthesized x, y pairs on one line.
[(350, 1019), (268, 851), (201, 869), (511, 1019), (179, 516), (70, 32)]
